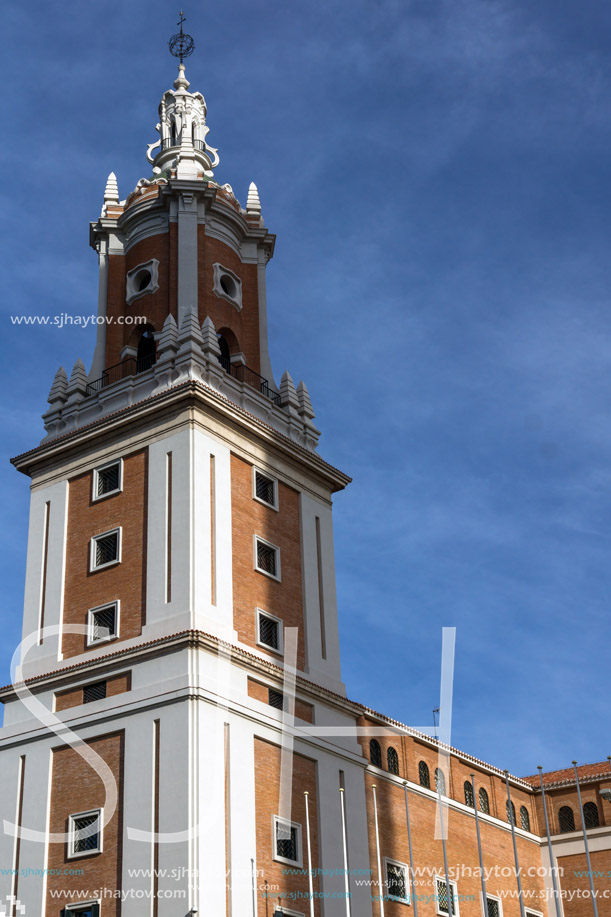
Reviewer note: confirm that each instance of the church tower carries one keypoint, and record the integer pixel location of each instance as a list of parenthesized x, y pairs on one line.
[(180, 611)]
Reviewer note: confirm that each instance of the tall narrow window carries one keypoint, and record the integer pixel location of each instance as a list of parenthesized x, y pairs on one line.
[(146, 352), (493, 906), (375, 753), (393, 761), (590, 815), (469, 800), (440, 781), (423, 775), (566, 819), (524, 818), (511, 812), (484, 802), (442, 897)]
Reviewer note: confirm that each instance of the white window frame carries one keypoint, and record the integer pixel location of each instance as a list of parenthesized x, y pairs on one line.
[(218, 271), (270, 477), (529, 910), (496, 898), (90, 616), (261, 613), (454, 889), (279, 909), (72, 854), (277, 820), (94, 490), (405, 868), (78, 905), (93, 568), (131, 293), (256, 539)]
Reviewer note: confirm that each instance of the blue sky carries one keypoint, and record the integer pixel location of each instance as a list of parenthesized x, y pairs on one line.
[(438, 176)]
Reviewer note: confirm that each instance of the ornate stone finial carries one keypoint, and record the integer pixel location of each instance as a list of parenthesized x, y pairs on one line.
[(167, 343), (305, 403), (288, 395), (253, 204), (111, 192), (58, 389), (210, 343), (77, 386)]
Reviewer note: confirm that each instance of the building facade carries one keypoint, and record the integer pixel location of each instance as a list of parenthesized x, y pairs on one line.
[(177, 737)]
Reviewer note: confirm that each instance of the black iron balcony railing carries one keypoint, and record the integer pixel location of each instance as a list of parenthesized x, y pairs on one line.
[(169, 143), (132, 366), (128, 367), (243, 373)]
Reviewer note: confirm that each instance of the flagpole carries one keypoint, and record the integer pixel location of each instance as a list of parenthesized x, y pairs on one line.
[(585, 841), (375, 815), (411, 858), (479, 850), (515, 846), (549, 845), (451, 908), (309, 855), (345, 841)]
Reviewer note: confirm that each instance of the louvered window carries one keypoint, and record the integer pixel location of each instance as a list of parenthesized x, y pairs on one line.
[(85, 833), (484, 802), (276, 699), (269, 632), (396, 879), (105, 549), (265, 489), (469, 801), (287, 840), (107, 479), (103, 623), (423, 775), (442, 897), (267, 559), (96, 691)]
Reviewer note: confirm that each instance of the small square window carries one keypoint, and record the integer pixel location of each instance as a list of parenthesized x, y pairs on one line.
[(103, 623), (107, 479), (287, 841), (85, 833), (269, 631), (442, 898), (96, 691), (106, 549), (91, 909), (267, 558), (276, 699), (265, 488), (397, 881)]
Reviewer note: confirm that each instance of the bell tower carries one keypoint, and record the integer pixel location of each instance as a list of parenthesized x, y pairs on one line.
[(180, 563)]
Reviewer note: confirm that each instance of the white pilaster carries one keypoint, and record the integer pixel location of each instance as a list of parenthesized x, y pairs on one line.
[(99, 354), (266, 366), (187, 254)]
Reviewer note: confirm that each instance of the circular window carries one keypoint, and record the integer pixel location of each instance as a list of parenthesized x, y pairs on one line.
[(143, 280), (228, 285)]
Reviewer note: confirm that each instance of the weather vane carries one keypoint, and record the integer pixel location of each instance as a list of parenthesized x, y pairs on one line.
[(181, 45)]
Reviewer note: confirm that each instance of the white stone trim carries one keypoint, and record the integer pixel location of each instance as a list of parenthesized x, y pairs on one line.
[(93, 568), (90, 621), (111, 493), (277, 576), (392, 862), (277, 820), (235, 297), (131, 290), (260, 612), (72, 854), (270, 477)]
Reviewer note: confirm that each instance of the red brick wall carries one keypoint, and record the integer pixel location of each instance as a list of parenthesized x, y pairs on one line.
[(577, 901), (75, 788), (260, 692), (267, 777), (125, 581), (255, 590)]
